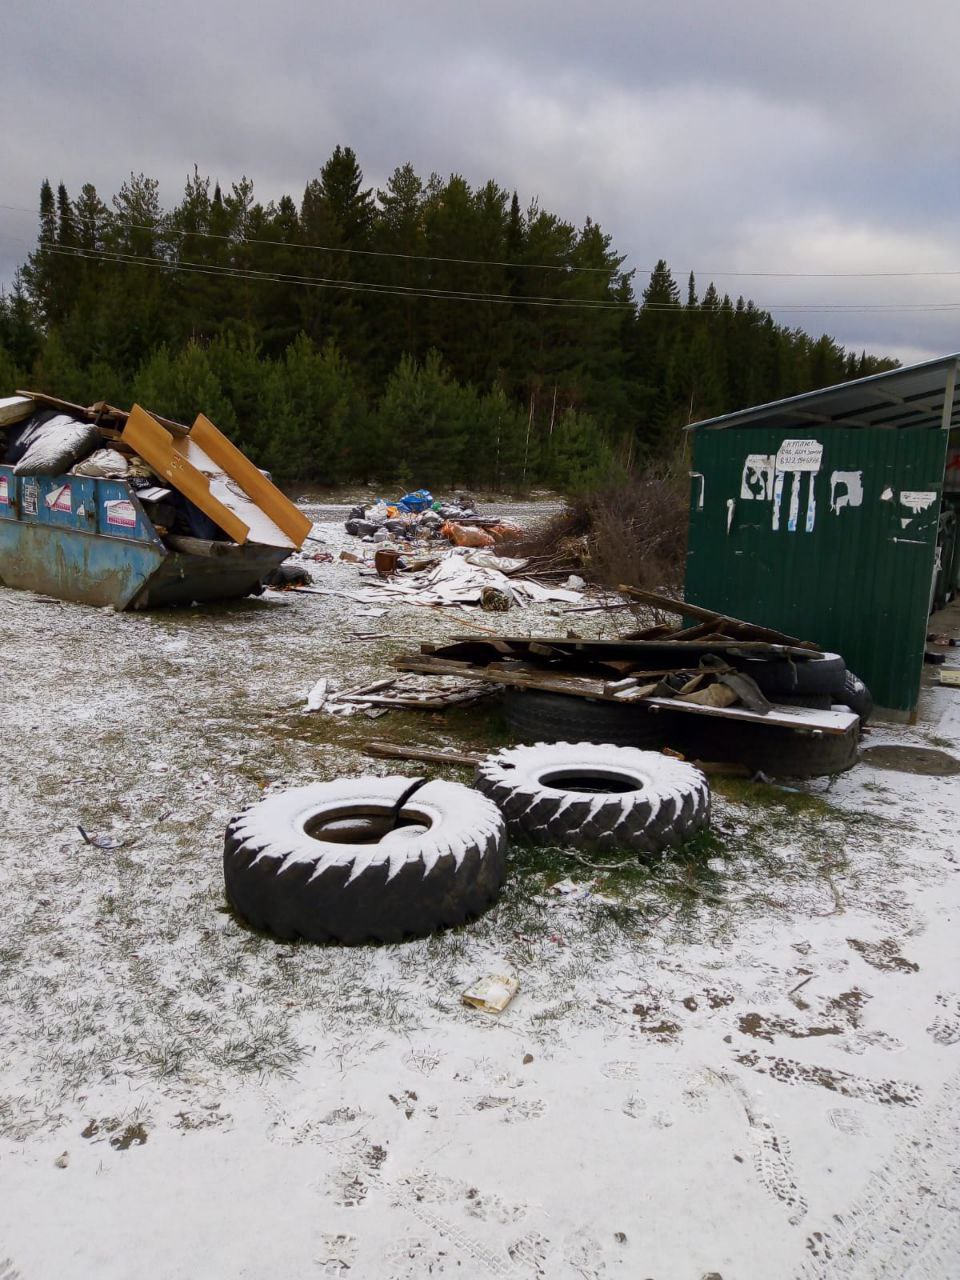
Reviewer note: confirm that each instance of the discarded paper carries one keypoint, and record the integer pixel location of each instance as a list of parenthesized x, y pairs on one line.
[(493, 993)]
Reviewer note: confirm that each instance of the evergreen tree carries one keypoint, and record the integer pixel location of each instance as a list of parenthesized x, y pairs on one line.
[(40, 268)]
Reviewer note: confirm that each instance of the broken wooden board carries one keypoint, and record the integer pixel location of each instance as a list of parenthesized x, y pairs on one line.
[(670, 605), (426, 755), (98, 411), (604, 650), (578, 686), (190, 469), (832, 722)]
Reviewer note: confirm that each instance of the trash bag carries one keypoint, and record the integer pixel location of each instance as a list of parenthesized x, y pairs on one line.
[(103, 464), (48, 444), (360, 528), (285, 576), (377, 513), (417, 501), (453, 511), (465, 536)]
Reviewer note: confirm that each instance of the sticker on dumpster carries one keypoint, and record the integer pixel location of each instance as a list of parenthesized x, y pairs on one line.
[(757, 479), (917, 502), (799, 455), (122, 513), (4, 495), (59, 499), (31, 494), (846, 490)]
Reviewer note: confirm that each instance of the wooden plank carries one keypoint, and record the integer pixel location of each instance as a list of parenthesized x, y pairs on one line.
[(396, 751), (253, 482), (577, 686), (15, 409), (641, 648), (100, 409), (155, 445), (832, 722), (670, 605)]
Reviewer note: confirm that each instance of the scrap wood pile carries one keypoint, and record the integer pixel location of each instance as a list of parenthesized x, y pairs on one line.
[(416, 692), (720, 666), (614, 670)]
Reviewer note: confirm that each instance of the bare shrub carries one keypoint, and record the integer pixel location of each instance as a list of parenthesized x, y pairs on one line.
[(633, 531)]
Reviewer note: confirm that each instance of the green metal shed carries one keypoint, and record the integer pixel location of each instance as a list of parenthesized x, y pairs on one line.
[(818, 515)]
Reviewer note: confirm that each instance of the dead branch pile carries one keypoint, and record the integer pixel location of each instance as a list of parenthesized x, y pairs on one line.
[(634, 531)]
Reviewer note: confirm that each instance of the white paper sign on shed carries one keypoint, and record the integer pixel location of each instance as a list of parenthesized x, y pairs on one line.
[(799, 455)]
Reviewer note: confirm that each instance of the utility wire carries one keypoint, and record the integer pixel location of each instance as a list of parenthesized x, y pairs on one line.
[(359, 286), (326, 282), (164, 229)]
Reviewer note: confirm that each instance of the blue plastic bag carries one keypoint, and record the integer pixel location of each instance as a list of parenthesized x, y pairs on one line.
[(417, 501)]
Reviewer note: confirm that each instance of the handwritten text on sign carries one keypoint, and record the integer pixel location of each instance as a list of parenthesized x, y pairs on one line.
[(799, 455)]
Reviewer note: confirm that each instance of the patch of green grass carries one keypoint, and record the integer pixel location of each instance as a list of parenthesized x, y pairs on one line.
[(789, 800)]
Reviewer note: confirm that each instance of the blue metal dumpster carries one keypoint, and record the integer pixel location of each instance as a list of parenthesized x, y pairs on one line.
[(90, 540)]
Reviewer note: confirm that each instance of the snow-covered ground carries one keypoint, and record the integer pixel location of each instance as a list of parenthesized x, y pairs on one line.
[(748, 1065)]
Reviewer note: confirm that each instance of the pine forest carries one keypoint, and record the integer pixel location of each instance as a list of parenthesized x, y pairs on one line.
[(424, 333)]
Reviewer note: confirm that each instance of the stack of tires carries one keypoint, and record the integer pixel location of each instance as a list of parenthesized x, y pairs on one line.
[(821, 682), (813, 682)]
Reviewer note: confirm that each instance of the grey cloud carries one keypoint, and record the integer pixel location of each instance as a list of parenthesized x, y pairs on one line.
[(680, 127)]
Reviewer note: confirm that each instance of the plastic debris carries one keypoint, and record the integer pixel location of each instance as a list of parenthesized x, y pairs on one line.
[(493, 993)]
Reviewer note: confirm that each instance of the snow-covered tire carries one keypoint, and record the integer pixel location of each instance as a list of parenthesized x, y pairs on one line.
[(350, 882), (595, 797), (808, 675), (815, 701), (855, 694), (558, 717)]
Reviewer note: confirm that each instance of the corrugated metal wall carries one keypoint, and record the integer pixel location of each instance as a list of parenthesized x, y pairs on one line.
[(851, 569)]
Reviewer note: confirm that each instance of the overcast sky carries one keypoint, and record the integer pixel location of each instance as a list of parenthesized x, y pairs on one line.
[(726, 137)]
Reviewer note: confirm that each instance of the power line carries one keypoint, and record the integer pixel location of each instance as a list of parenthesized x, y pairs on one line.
[(326, 282), (164, 229), (358, 286)]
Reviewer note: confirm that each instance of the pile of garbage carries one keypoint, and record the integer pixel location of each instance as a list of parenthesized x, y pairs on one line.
[(419, 516)]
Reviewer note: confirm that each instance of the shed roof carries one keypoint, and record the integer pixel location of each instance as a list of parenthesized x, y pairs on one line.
[(910, 397)]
